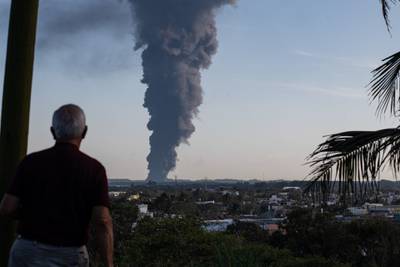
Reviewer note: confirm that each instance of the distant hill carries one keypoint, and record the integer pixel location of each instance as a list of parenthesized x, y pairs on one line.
[(216, 183), (274, 184), (390, 185), (120, 182)]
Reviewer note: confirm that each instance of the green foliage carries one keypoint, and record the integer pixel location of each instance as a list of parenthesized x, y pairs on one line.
[(311, 233), (376, 240), (171, 204), (249, 231), (182, 242), (308, 238), (162, 203), (254, 255), (168, 242), (363, 243), (124, 214)]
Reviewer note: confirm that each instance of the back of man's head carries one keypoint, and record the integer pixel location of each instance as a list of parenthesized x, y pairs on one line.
[(69, 123)]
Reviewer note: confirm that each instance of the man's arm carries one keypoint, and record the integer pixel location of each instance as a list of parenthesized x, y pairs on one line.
[(9, 206), (102, 223)]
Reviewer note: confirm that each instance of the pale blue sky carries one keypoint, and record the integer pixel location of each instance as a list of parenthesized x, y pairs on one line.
[(286, 73)]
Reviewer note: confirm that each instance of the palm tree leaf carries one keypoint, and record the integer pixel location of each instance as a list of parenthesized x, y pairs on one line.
[(350, 163), (385, 81), (385, 85), (386, 5)]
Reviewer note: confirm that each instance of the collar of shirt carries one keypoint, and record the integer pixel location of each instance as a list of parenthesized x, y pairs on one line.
[(66, 145)]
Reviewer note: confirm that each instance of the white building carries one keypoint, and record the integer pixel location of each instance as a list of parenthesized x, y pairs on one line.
[(144, 211), (287, 188), (115, 193), (205, 202), (356, 211), (274, 199), (217, 225)]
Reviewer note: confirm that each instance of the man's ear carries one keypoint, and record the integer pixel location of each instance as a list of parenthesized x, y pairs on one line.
[(53, 133), (84, 132)]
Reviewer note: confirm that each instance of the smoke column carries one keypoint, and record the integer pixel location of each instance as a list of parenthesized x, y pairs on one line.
[(179, 39)]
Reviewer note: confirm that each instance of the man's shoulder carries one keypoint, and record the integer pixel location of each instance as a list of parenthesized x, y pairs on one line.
[(49, 153), (90, 160), (37, 155)]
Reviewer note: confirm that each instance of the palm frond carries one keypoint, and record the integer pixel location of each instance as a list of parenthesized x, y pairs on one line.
[(386, 5), (385, 81), (350, 162), (385, 11), (385, 85)]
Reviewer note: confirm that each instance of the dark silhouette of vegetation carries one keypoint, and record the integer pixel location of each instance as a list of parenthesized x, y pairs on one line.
[(361, 243), (249, 231), (308, 234), (124, 214), (306, 238), (182, 242)]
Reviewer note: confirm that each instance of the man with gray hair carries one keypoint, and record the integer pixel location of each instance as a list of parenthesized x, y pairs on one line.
[(55, 195)]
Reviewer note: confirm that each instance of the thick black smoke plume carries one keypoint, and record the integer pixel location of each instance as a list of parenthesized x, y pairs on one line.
[(179, 39)]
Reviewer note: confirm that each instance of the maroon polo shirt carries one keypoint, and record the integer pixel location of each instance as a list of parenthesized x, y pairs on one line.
[(57, 189)]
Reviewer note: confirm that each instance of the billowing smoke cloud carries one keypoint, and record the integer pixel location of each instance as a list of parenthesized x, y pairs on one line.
[(82, 38), (179, 39), (61, 24)]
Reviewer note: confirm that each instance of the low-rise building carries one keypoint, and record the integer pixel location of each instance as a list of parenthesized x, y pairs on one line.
[(144, 211)]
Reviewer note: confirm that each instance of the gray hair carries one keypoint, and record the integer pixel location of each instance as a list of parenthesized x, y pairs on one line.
[(69, 122)]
